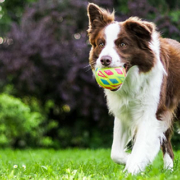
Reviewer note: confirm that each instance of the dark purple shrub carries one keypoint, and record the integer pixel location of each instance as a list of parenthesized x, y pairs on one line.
[(46, 57)]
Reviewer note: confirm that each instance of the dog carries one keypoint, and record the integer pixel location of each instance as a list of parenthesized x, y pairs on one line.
[(146, 103)]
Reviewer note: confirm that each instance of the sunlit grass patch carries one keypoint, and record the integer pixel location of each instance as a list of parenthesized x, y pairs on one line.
[(75, 164)]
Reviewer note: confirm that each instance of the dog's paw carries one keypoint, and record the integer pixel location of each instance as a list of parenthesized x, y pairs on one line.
[(119, 158), (135, 166), (133, 169)]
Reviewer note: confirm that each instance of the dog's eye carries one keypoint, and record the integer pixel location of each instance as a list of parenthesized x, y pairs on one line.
[(122, 45), (101, 44)]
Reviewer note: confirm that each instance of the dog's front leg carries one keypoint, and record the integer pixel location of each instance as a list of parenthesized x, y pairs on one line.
[(146, 146), (120, 140)]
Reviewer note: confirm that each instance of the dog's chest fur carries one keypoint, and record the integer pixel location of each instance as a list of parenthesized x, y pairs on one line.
[(138, 96)]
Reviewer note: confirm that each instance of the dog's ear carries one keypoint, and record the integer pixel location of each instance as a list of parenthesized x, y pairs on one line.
[(98, 17), (141, 29)]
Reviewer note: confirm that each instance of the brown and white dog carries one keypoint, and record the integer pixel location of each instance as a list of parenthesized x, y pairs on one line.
[(146, 102)]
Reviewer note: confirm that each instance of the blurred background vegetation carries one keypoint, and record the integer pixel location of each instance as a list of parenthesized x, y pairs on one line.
[(48, 97)]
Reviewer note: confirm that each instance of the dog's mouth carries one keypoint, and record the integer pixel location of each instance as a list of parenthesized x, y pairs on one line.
[(127, 66)]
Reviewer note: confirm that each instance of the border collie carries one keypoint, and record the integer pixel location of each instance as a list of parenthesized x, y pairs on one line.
[(147, 101)]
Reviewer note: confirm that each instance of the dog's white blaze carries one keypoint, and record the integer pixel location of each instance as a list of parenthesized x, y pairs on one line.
[(135, 105), (111, 34)]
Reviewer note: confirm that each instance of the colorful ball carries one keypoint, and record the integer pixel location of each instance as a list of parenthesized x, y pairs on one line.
[(110, 78)]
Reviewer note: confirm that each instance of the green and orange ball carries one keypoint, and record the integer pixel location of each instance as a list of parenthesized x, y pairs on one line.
[(110, 78)]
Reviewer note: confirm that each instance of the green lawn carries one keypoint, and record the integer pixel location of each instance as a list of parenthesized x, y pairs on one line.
[(73, 164)]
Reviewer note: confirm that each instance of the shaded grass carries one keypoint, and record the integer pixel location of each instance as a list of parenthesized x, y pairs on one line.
[(75, 164)]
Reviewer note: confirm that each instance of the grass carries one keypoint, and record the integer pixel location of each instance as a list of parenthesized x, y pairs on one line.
[(75, 164)]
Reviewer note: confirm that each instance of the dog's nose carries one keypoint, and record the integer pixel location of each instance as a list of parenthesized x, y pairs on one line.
[(106, 60)]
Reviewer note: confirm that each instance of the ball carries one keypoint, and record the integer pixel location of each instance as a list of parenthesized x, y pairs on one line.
[(110, 78)]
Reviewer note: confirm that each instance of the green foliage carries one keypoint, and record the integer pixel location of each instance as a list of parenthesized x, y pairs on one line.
[(75, 164), (160, 5), (19, 125), (122, 6), (11, 11)]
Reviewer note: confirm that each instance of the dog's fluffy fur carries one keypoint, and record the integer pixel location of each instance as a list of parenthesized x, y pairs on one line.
[(147, 101)]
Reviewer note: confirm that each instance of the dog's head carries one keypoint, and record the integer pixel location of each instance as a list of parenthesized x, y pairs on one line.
[(117, 44)]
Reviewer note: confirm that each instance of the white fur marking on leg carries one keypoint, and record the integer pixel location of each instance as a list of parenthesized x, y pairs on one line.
[(146, 147), (168, 162), (120, 140)]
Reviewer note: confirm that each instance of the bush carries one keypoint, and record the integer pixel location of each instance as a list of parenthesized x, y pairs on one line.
[(19, 126)]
